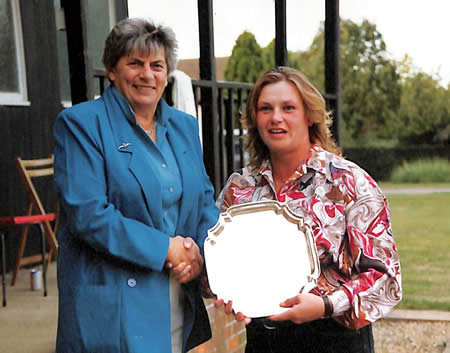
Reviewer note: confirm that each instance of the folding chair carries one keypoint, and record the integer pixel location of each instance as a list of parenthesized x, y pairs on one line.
[(28, 170)]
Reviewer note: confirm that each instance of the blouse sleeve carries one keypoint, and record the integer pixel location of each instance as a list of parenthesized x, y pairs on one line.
[(375, 285), (238, 189)]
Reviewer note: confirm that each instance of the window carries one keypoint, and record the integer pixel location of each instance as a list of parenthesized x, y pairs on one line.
[(100, 19), (62, 56), (13, 88)]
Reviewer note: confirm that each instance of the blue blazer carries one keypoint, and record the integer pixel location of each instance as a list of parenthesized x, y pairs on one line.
[(113, 288)]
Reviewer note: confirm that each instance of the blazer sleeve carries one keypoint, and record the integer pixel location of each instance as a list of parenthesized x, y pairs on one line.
[(80, 178)]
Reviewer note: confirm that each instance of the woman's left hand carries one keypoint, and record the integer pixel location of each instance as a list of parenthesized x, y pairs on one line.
[(303, 308)]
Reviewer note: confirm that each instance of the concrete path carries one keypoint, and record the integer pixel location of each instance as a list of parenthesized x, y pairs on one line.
[(427, 315), (415, 191)]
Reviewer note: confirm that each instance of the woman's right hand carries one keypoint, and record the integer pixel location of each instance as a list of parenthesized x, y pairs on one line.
[(184, 259), (175, 254), (228, 309)]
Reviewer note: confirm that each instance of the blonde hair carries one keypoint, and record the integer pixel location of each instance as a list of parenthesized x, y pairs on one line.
[(314, 105)]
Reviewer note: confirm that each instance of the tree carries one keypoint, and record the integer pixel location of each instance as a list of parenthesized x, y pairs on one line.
[(268, 56), (311, 62), (383, 101), (245, 63), (370, 82), (424, 114)]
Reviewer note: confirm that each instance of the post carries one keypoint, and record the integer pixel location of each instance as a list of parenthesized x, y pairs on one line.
[(80, 78), (207, 62), (281, 55), (332, 66)]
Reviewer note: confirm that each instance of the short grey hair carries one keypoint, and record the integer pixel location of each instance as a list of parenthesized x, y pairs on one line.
[(142, 36)]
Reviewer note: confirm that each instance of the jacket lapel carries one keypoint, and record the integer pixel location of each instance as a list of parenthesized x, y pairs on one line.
[(122, 122)]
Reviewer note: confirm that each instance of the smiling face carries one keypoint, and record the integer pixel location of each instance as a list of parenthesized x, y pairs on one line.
[(281, 120), (141, 79)]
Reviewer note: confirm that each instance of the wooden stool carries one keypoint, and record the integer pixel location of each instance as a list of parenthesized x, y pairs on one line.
[(5, 223)]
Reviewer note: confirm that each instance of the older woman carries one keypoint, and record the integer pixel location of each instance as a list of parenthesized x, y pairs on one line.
[(136, 207), (293, 160)]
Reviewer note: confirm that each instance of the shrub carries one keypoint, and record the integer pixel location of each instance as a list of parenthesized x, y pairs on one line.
[(379, 162), (436, 170)]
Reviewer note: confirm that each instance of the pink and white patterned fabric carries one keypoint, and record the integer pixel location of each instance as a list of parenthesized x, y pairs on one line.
[(350, 219)]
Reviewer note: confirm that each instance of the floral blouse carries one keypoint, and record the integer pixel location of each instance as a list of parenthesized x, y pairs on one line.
[(350, 219)]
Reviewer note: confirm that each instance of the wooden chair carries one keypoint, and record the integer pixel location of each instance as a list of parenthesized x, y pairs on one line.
[(29, 170)]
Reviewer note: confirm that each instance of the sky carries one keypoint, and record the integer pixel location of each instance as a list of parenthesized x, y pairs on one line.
[(417, 28)]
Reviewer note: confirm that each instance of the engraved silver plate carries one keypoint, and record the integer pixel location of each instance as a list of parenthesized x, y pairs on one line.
[(258, 255)]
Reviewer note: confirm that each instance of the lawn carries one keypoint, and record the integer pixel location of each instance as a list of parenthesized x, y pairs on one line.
[(421, 225)]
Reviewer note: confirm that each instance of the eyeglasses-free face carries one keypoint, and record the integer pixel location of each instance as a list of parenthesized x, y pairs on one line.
[(141, 79), (281, 119)]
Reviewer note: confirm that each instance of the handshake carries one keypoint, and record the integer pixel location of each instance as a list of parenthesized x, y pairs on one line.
[(184, 259)]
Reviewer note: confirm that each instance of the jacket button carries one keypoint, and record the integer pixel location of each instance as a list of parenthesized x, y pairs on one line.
[(131, 282)]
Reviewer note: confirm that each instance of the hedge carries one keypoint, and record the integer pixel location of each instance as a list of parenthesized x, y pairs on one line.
[(379, 161)]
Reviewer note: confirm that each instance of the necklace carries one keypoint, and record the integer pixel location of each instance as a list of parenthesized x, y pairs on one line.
[(150, 131)]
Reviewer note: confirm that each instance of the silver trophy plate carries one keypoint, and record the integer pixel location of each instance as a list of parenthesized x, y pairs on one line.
[(258, 255)]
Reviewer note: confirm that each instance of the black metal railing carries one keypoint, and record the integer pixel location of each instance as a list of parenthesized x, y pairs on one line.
[(231, 102)]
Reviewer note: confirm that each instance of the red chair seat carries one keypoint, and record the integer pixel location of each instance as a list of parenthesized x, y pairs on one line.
[(6, 222), (15, 220)]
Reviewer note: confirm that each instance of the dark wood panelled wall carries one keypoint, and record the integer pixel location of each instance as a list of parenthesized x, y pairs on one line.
[(26, 131)]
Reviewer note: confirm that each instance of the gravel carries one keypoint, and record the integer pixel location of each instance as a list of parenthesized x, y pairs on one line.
[(409, 336)]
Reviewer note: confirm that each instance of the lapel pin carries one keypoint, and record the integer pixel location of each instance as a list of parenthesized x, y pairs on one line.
[(124, 145)]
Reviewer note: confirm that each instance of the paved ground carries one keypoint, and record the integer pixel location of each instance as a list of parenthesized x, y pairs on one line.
[(416, 190), (411, 336), (419, 315)]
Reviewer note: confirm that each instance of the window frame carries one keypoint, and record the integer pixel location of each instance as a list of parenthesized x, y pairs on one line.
[(21, 97)]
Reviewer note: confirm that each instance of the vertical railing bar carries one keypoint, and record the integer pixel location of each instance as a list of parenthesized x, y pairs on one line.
[(222, 151), (196, 99), (240, 112), (230, 131), (207, 69), (102, 84)]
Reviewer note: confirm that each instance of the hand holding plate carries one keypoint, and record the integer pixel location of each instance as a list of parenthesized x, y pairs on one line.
[(303, 308), (228, 309)]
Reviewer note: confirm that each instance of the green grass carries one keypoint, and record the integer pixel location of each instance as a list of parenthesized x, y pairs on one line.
[(421, 225)]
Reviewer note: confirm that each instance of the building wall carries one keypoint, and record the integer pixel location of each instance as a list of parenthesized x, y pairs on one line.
[(228, 335), (191, 68), (26, 131)]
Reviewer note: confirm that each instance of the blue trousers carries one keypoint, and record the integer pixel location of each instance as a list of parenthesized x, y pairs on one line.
[(320, 336)]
